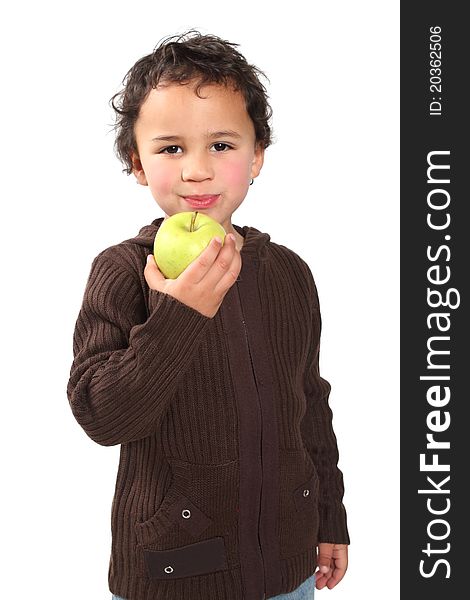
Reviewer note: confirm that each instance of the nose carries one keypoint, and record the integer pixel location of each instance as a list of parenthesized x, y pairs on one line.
[(196, 168)]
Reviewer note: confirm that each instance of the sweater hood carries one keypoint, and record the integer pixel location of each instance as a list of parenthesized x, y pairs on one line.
[(255, 243)]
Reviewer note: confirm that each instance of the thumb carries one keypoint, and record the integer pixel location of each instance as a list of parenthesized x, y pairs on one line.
[(152, 273), (325, 554)]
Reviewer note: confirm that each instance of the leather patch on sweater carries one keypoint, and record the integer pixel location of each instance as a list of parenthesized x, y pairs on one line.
[(195, 559)]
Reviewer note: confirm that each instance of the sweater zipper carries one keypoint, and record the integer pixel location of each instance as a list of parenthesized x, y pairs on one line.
[(261, 446)]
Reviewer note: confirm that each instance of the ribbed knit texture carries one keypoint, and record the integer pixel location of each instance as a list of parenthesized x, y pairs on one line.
[(153, 375)]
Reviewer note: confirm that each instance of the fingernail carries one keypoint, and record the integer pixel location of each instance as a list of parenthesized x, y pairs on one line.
[(149, 257), (217, 240), (231, 236)]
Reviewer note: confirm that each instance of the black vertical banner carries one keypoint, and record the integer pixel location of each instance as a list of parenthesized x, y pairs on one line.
[(435, 270)]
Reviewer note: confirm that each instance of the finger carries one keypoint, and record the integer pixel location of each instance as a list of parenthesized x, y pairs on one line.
[(339, 570), (335, 578), (320, 580), (199, 267), (229, 274), (153, 275), (222, 263)]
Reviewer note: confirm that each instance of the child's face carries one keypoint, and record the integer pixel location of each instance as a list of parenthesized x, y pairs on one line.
[(194, 161)]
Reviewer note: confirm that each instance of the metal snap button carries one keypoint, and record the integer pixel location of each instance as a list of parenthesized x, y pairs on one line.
[(169, 569), (186, 513), (306, 493)]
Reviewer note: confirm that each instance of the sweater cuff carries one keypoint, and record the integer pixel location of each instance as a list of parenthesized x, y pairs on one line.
[(333, 524), (173, 319), (157, 300)]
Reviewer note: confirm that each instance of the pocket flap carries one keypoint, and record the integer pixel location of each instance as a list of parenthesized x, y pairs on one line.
[(174, 509), (188, 516), (196, 559), (305, 496)]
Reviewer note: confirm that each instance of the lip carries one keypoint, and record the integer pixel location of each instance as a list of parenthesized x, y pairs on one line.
[(202, 201)]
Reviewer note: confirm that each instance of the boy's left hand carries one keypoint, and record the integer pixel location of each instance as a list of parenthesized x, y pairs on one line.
[(332, 561)]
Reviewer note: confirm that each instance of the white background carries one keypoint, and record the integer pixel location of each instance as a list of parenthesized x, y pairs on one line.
[(328, 190)]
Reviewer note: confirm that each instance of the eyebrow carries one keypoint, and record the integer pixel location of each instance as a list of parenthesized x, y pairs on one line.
[(214, 134)]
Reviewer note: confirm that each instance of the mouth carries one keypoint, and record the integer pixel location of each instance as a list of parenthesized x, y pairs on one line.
[(202, 201)]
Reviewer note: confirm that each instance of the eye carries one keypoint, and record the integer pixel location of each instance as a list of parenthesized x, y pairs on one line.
[(163, 151), (221, 144)]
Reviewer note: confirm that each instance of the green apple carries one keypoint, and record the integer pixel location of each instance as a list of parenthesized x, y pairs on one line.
[(181, 238)]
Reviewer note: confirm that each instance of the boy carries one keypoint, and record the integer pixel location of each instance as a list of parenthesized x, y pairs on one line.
[(228, 486)]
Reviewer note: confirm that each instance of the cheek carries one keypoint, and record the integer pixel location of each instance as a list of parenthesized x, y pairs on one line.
[(160, 179), (235, 173)]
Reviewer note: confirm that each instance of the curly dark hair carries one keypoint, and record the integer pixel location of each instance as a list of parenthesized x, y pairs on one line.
[(184, 58)]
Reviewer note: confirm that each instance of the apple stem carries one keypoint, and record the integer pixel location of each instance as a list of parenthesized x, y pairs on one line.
[(193, 219)]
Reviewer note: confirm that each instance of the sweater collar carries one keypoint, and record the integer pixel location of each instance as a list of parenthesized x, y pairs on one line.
[(254, 245)]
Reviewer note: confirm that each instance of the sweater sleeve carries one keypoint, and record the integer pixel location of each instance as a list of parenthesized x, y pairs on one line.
[(320, 439), (126, 366)]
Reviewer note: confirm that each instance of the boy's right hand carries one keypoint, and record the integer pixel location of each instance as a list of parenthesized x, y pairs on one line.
[(205, 281)]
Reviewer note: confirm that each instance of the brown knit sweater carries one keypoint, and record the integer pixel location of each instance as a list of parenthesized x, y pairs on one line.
[(228, 474)]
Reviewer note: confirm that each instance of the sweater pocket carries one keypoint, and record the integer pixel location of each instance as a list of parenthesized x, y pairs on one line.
[(192, 529), (163, 541)]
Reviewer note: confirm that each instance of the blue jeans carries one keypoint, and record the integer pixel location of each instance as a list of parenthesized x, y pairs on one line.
[(305, 591)]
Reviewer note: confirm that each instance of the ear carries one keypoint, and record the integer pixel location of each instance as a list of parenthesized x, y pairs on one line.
[(258, 160), (138, 170)]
